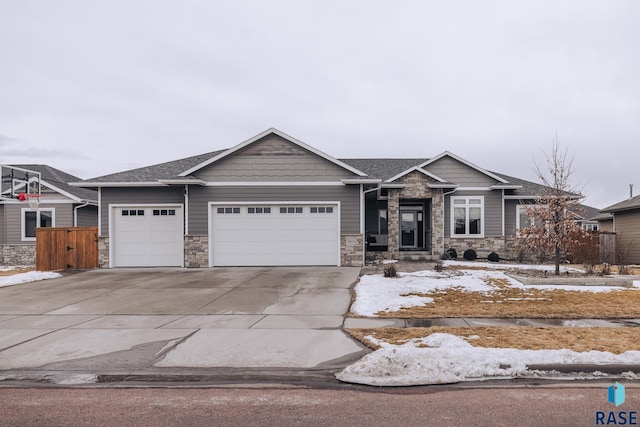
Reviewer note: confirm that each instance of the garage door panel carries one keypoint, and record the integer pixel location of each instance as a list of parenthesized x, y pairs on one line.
[(148, 236), (271, 237)]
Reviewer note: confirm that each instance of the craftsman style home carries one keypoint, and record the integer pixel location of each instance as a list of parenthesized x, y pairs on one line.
[(274, 200)]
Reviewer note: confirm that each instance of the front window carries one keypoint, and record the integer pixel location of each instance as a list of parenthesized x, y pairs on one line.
[(33, 219), (382, 222), (468, 216), (523, 219)]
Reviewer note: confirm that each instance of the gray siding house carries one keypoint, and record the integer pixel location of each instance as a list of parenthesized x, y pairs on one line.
[(274, 200), (624, 220), (61, 205)]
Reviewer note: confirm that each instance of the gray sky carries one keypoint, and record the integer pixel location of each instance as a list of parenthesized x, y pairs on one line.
[(95, 87)]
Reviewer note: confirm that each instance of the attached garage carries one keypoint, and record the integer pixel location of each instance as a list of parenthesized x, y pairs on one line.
[(275, 234), (147, 236)]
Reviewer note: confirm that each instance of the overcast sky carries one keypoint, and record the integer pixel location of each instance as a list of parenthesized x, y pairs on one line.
[(96, 87)]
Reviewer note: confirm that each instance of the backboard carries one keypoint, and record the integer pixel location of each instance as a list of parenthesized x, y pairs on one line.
[(17, 180)]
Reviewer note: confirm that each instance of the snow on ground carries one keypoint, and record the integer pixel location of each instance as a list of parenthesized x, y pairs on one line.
[(498, 266), (450, 359), (375, 293), (31, 276), (444, 358)]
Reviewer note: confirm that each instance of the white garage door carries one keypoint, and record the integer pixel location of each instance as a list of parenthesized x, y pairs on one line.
[(147, 236), (275, 234)]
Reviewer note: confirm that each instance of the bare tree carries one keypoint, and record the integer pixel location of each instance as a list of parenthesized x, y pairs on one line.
[(553, 227)]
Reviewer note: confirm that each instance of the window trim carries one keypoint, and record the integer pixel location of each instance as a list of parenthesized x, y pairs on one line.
[(23, 225), (466, 205)]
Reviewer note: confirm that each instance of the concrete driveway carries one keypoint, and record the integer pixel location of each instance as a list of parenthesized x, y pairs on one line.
[(141, 319)]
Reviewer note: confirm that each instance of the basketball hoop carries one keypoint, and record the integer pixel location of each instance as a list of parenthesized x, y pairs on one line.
[(31, 198)]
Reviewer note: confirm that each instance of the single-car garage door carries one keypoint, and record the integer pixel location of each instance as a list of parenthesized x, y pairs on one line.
[(147, 236), (275, 234)]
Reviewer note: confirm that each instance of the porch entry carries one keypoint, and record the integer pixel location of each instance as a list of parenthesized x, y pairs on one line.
[(414, 228)]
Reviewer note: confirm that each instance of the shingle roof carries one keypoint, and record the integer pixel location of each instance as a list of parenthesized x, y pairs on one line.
[(383, 168), (167, 170), (632, 203), (61, 180)]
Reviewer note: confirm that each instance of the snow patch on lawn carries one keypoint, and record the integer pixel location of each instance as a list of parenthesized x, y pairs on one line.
[(31, 276), (498, 266), (375, 293), (449, 359)]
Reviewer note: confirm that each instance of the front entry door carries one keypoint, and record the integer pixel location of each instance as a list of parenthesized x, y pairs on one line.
[(408, 229)]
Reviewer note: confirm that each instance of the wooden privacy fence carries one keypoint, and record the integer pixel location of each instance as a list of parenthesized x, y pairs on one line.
[(61, 248)]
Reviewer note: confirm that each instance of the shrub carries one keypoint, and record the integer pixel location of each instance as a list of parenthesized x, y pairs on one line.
[(493, 257), (390, 271), (439, 267), (470, 255), (453, 254), (445, 257)]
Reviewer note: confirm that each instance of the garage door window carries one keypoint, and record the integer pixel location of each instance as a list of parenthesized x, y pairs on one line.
[(321, 209), (133, 212), (228, 210), (291, 210), (164, 212), (259, 210)]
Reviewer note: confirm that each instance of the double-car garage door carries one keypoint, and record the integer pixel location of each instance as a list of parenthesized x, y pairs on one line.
[(275, 234), (260, 234)]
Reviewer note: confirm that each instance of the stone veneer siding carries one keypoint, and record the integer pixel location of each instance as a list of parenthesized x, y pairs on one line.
[(416, 187), (196, 251), (18, 255), (103, 252), (483, 246), (351, 250)]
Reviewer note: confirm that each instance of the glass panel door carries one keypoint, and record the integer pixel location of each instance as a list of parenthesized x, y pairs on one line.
[(408, 229)]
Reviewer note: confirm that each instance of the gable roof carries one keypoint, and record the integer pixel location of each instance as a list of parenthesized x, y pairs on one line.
[(261, 135), (383, 168), (629, 204), (58, 181), (465, 162)]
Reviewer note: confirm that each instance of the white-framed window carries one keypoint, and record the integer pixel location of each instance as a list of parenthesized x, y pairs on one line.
[(383, 224), (523, 219), (228, 210), (467, 216), (32, 219), (590, 226)]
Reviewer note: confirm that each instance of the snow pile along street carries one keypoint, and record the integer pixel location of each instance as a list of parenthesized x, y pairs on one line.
[(449, 359)]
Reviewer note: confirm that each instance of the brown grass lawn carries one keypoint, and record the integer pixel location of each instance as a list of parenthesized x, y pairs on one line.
[(508, 302), (615, 340)]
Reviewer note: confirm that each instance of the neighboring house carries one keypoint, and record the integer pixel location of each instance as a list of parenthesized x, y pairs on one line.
[(274, 200), (61, 205), (625, 222), (587, 217)]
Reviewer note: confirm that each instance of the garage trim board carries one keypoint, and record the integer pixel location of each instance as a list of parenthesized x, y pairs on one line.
[(146, 235), (271, 233)]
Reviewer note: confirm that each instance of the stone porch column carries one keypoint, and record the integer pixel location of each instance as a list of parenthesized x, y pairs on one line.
[(393, 224), (437, 222)]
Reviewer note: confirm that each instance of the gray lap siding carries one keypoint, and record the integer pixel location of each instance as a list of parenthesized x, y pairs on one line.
[(492, 211), (348, 196), (133, 196)]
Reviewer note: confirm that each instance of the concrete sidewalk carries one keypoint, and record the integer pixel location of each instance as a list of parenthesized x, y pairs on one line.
[(149, 320)]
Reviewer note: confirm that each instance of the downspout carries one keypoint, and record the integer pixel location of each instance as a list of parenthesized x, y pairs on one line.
[(362, 225), (186, 210), (443, 212)]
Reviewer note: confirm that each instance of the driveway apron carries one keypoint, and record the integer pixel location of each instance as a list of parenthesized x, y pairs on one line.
[(133, 319)]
